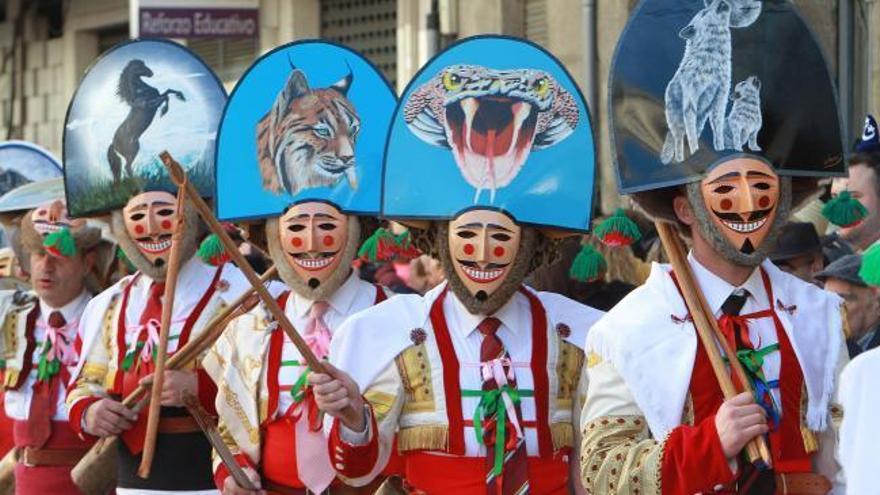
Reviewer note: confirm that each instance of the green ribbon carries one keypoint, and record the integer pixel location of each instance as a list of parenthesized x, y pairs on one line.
[(128, 360), (492, 404), (47, 369), (753, 360), (298, 389)]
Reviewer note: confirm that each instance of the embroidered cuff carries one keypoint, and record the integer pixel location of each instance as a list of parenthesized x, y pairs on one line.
[(76, 416), (354, 460), (693, 460)]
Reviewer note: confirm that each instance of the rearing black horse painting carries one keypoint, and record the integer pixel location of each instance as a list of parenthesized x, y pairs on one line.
[(144, 101)]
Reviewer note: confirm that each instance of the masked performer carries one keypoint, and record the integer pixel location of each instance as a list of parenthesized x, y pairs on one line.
[(482, 377), (741, 151), (315, 170), (120, 326)]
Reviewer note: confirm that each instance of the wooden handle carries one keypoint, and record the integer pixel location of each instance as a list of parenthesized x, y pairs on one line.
[(175, 171), (206, 423), (171, 272), (88, 471), (707, 330)]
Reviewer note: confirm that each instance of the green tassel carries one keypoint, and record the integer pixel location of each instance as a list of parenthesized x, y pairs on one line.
[(129, 266), (211, 251), (588, 265), (60, 243), (378, 247), (870, 271), (618, 230), (844, 210)]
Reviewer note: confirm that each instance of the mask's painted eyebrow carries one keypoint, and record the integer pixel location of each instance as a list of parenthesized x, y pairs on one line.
[(478, 225), (729, 175), (755, 173)]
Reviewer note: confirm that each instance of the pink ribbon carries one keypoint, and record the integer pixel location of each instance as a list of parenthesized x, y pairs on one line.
[(152, 328), (58, 346), (317, 334), (494, 370)]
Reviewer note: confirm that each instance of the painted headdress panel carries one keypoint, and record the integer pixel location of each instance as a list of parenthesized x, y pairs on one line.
[(138, 99), (22, 162), (491, 122), (307, 122), (695, 82)]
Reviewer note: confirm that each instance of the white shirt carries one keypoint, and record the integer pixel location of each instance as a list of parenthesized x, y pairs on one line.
[(352, 296), (762, 331), (860, 431), (18, 402), (193, 281)]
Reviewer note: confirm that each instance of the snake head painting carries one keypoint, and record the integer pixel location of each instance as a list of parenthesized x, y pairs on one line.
[(491, 119)]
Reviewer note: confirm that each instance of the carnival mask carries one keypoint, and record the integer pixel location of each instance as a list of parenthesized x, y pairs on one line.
[(52, 217), (483, 245), (741, 196), (313, 236), (149, 219)]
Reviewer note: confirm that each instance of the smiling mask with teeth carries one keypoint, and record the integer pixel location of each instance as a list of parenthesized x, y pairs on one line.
[(52, 217), (739, 206), (317, 243)]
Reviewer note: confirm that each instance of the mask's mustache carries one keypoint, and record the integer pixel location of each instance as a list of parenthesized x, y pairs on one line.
[(489, 266), (738, 217)]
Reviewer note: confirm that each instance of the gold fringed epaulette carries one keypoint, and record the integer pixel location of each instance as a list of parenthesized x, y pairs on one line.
[(429, 437)]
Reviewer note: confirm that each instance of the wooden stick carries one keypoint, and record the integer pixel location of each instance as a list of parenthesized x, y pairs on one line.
[(179, 177), (87, 474), (707, 330), (155, 405), (209, 428)]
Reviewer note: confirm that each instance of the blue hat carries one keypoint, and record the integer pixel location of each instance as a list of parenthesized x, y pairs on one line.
[(870, 140), (306, 122), (22, 162), (695, 83), (491, 122), (138, 99)]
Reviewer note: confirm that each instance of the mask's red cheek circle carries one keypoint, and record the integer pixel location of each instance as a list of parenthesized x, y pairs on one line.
[(498, 251), (296, 242), (166, 224), (469, 249), (726, 204), (328, 240), (138, 229), (764, 202)]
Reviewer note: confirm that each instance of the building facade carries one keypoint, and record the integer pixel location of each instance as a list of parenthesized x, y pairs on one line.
[(45, 45)]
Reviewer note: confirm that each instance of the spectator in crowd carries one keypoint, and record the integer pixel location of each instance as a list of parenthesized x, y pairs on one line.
[(863, 184), (798, 251), (862, 302)]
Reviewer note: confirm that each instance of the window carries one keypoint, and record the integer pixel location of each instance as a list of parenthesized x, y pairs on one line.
[(227, 57), (367, 26)]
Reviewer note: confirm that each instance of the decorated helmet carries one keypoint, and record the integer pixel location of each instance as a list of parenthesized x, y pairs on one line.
[(492, 140), (138, 99), (300, 144)]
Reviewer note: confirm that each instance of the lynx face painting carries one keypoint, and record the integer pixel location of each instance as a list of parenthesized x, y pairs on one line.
[(308, 138), (306, 122)]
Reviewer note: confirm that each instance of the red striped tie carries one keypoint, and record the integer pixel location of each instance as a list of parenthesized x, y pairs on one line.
[(514, 478)]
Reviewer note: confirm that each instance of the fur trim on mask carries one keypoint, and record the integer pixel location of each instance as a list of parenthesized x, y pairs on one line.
[(85, 237), (294, 281), (713, 235), (522, 266), (194, 230)]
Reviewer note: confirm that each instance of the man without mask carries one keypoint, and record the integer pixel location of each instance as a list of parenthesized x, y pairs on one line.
[(40, 348), (653, 394)]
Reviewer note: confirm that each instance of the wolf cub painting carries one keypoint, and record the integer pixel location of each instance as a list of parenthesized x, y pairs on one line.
[(699, 92), (308, 137)]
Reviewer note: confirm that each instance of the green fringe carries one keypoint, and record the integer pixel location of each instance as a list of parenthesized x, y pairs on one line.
[(212, 252), (60, 243), (588, 265), (618, 230), (844, 210), (870, 271)]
